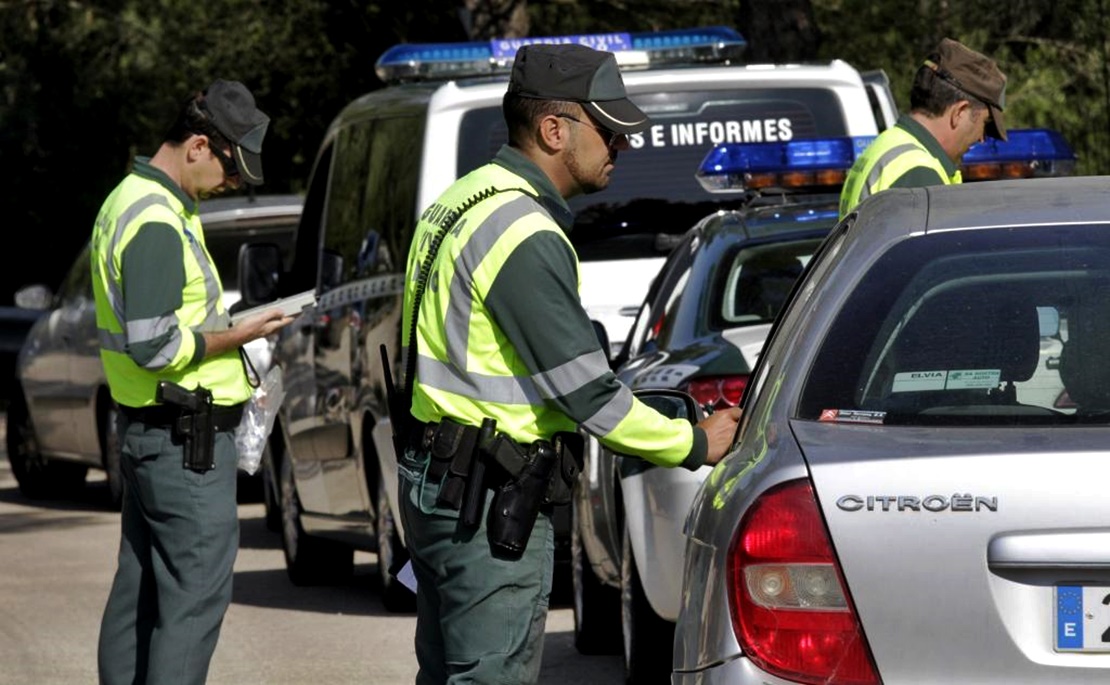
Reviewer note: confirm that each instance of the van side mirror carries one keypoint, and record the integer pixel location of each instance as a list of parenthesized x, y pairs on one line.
[(259, 272)]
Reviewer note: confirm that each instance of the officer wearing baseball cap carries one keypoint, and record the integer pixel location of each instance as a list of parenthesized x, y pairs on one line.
[(161, 319), (234, 114), (504, 366), (958, 97)]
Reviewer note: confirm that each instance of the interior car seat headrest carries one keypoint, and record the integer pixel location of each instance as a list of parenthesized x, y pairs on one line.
[(1085, 357), (972, 328)]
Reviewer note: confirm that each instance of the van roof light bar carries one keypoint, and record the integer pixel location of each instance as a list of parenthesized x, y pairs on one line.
[(813, 165), (1029, 152), (441, 61)]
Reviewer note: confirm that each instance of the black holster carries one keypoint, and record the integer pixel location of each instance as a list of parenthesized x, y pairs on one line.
[(525, 478), (194, 428), (517, 503)]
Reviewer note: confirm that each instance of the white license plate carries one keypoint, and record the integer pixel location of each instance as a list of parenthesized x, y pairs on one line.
[(1082, 618)]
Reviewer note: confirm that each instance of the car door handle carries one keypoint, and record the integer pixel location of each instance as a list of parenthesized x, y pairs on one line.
[(1064, 549)]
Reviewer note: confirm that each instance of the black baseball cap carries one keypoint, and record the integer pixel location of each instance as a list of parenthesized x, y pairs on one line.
[(234, 114), (576, 73)]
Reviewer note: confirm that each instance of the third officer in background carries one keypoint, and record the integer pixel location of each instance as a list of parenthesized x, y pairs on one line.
[(958, 97), (504, 366)]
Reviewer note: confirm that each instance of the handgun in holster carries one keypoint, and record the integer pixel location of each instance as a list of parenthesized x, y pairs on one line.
[(194, 427), (512, 515)]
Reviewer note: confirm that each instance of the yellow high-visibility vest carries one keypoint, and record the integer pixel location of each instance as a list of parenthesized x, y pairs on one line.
[(885, 160), (138, 200)]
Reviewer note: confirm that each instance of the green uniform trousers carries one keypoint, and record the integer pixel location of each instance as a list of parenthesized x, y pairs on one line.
[(180, 535), (480, 619)]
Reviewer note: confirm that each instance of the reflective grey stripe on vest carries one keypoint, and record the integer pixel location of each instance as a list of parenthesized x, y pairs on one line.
[(881, 165), (558, 382), (532, 390), (606, 419), (212, 320), (457, 325), (113, 291), (147, 329)]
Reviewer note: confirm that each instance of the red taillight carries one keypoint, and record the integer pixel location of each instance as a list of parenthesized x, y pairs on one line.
[(790, 610), (717, 392)]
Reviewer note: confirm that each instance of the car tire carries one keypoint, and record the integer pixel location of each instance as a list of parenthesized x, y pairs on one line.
[(110, 453), (648, 638), (37, 477), (271, 494), (309, 560), (396, 598), (597, 606)]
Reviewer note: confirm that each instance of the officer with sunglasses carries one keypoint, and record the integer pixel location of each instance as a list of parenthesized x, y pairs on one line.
[(503, 366), (160, 318)]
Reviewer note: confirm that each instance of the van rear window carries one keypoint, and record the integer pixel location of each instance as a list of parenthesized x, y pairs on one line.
[(653, 189)]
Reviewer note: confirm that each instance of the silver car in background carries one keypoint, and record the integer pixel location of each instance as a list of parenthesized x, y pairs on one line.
[(61, 419), (918, 490)]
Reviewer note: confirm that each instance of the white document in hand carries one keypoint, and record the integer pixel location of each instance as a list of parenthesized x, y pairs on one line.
[(289, 306)]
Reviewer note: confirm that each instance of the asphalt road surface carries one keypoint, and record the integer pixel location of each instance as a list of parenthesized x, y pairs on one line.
[(58, 556)]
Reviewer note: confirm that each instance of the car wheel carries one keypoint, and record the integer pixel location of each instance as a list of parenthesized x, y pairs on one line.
[(309, 560), (648, 638), (271, 495), (597, 608), (391, 552), (110, 453), (37, 477)]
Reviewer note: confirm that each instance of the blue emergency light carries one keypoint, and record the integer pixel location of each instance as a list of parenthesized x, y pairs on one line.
[(413, 61), (813, 164), (822, 163), (1029, 152)]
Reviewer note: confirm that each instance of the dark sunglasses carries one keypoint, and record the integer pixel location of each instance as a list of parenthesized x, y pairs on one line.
[(228, 164), (608, 137)]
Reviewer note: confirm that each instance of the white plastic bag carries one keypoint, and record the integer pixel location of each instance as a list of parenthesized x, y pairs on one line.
[(258, 420)]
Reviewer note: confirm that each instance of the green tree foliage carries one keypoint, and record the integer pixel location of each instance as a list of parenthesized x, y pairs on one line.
[(1053, 52), (87, 84)]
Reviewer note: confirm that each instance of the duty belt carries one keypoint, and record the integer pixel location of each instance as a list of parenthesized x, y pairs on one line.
[(165, 416), (445, 439)]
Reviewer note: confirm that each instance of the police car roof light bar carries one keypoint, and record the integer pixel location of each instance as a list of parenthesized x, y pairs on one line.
[(440, 61), (1029, 152), (812, 165)]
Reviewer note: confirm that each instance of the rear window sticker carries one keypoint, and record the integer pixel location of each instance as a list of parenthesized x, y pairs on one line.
[(852, 416), (973, 378), (957, 379)]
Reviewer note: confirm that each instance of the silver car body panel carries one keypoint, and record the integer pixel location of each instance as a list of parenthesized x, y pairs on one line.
[(985, 612)]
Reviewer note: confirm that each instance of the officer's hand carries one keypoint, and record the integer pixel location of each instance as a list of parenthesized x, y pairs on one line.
[(262, 324), (720, 426)]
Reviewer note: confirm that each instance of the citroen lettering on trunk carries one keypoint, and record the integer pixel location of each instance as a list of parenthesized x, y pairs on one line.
[(933, 503)]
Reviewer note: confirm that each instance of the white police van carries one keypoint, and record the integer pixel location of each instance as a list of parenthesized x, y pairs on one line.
[(391, 152)]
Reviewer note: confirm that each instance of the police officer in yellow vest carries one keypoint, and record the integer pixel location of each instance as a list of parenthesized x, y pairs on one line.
[(160, 317), (507, 366), (958, 96)]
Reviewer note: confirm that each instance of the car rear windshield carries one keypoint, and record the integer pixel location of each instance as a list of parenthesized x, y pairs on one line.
[(987, 327), (653, 189)]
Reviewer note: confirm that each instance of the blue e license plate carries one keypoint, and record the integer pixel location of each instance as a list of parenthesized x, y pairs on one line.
[(1082, 618)]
